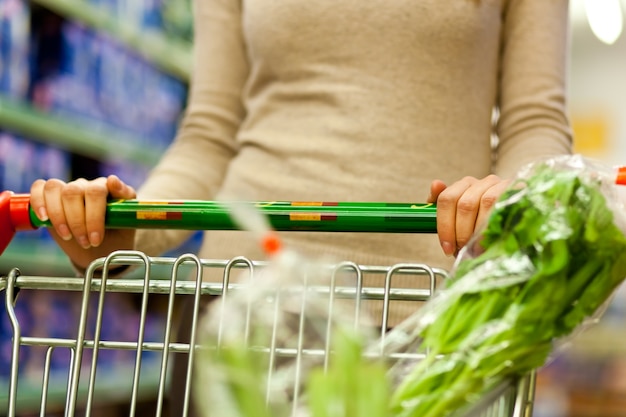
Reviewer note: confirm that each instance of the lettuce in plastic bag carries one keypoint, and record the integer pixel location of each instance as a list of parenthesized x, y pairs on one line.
[(552, 253)]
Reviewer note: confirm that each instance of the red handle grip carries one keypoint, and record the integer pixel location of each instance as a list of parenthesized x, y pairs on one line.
[(14, 216)]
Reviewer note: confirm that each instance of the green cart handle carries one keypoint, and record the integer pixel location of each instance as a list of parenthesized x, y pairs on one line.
[(370, 217)]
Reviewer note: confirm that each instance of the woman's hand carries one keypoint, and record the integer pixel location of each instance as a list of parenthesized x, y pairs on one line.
[(462, 207), (77, 212)]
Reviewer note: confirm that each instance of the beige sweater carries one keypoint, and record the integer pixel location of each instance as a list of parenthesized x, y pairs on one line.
[(361, 100)]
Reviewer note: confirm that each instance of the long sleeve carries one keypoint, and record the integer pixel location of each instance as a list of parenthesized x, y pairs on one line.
[(195, 165), (533, 121)]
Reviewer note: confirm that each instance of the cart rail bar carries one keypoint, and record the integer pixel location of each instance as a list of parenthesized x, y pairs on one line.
[(371, 217)]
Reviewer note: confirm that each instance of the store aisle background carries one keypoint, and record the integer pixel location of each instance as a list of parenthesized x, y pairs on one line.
[(589, 378), (87, 88), (82, 94)]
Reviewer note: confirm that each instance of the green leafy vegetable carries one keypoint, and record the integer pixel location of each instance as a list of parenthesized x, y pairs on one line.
[(352, 386), (232, 380), (552, 255)]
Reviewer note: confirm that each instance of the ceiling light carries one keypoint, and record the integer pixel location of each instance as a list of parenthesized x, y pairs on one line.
[(605, 18)]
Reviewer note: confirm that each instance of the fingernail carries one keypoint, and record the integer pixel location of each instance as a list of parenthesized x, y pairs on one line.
[(64, 232), (84, 242), (94, 239), (448, 248), (43, 214)]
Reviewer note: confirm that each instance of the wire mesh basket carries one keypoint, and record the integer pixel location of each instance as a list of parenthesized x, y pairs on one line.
[(159, 356)]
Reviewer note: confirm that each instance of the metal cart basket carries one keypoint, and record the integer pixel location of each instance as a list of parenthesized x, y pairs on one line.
[(167, 281)]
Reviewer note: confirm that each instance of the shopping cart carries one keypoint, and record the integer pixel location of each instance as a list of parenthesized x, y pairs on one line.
[(78, 388)]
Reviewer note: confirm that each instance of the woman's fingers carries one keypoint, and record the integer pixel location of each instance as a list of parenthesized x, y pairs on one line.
[(488, 201), (118, 189), (95, 195), (462, 207), (73, 200), (37, 199), (436, 188), (76, 209), (77, 212), (447, 214), (53, 204), (471, 202)]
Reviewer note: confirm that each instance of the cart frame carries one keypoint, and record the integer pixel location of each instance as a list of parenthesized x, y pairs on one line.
[(164, 276)]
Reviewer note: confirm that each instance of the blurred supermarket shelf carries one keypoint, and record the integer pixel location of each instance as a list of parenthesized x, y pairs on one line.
[(72, 134), (32, 258), (170, 54), (35, 253), (37, 259), (114, 387)]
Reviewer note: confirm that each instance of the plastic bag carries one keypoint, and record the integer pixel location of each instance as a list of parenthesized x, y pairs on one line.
[(551, 255), (264, 346)]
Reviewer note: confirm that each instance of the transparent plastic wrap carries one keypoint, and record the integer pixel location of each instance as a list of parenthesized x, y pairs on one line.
[(263, 346), (550, 256)]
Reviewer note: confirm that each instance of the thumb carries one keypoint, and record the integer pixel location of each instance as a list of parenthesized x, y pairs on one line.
[(436, 188), (119, 189)]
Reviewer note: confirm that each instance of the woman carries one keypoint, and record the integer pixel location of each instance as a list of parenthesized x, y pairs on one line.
[(347, 101)]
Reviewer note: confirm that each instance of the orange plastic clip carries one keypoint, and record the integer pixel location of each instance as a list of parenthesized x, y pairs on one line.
[(271, 244), (620, 178)]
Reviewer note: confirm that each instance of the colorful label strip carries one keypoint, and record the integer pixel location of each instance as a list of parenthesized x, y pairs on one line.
[(159, 215)]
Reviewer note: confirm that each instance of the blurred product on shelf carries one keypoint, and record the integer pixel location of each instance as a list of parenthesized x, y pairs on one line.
[(87, 76), (144, 14), (178, 19), (173, 17), (135, 173), (70, 70), (14, 47), (22, 161)]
